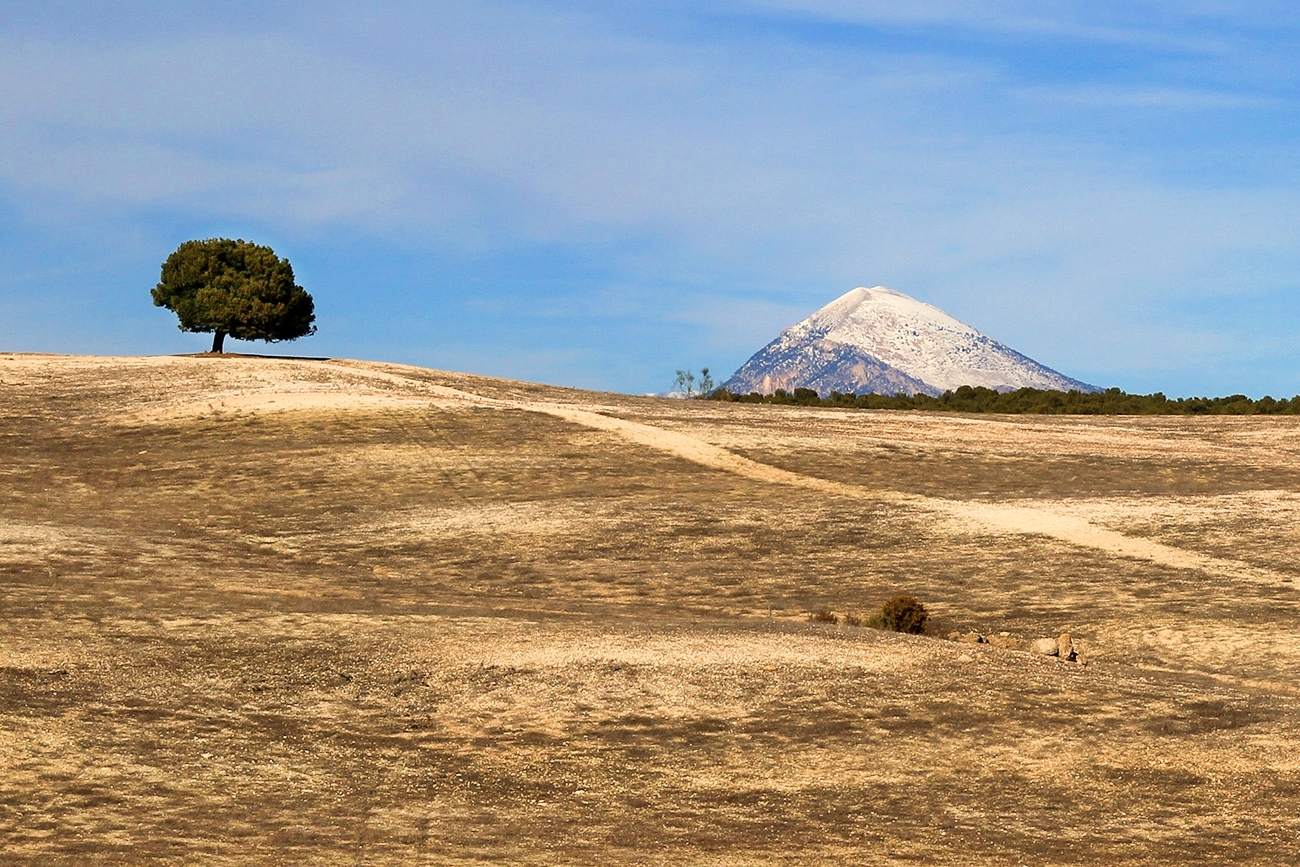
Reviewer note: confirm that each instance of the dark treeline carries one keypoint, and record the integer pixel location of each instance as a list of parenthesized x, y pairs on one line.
[(1112, 401)]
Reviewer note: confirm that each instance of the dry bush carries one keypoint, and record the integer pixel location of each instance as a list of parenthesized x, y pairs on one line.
[(901, 614)]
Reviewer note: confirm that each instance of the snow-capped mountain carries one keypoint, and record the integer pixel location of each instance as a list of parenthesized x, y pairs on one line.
[(882, 341)]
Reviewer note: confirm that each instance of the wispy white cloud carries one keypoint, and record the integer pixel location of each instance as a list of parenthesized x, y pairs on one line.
[(711, 174), (1205, 27), (1172, 98)]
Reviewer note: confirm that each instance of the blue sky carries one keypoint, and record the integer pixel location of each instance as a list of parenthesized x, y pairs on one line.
[(599, 193)]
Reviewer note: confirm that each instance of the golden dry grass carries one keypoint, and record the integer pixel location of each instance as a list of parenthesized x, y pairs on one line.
[(263, 611)]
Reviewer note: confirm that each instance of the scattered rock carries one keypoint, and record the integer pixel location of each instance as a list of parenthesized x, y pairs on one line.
[(1045, 646), (965, 657), (1062, 646)]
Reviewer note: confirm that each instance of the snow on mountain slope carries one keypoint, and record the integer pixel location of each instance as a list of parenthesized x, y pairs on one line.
[(879, 340)]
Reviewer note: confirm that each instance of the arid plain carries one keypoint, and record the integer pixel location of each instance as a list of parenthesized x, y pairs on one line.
[(327, 612)]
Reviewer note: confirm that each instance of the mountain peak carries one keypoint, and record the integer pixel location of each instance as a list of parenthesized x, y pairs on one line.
[(881, 340), (880, 301)]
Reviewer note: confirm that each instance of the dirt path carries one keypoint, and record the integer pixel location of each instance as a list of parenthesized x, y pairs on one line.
[(393, 389), (961, 516)]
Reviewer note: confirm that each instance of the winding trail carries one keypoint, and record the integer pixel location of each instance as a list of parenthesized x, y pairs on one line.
[(959, 516), (991, 518)]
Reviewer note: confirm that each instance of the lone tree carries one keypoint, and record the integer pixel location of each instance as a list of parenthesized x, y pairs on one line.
[(234, 288)]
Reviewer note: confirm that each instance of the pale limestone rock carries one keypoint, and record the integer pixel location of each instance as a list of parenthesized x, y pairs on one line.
[(1046, 646)]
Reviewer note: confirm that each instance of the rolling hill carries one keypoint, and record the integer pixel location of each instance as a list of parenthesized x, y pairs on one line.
[(340, 612)]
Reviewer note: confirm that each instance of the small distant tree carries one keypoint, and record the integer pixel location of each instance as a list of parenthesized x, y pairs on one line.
[(806, 396), (234, 288), (707, 384), (686, 383)]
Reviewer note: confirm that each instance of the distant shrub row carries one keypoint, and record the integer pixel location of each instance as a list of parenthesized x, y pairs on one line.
[(1027, 401)]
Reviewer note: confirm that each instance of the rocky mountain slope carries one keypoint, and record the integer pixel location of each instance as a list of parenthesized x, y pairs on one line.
[(882, 341)]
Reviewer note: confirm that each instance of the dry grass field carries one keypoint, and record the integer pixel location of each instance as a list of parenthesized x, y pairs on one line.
[(332, 612)]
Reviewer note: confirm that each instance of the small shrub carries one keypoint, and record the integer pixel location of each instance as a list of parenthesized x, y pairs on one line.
[(825, 615), (852, 619), (901, 614)]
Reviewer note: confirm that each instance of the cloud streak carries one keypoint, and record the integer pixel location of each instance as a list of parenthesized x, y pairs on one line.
[(677, 171)]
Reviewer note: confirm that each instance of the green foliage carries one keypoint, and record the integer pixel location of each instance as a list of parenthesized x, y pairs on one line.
[(686, 384), (1030, 401), (901, 614), (234, 288), (806, 397)]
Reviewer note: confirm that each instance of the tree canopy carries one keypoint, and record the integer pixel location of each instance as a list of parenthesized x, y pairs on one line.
[(234, 288)]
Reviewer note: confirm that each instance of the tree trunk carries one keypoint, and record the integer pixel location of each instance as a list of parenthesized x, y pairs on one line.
[(218, 340)]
